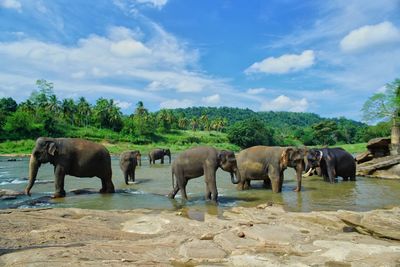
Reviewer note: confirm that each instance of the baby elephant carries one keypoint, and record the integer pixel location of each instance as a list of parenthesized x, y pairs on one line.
[(128, 162), (199, 161)]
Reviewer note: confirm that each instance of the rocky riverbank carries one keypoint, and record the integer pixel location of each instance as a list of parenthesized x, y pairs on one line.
[(262, 236)]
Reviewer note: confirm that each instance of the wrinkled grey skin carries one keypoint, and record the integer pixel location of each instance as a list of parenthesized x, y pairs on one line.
[(199, 161), (71, 156), (128, 162), (333, 162), (268, 164), (159, 153)]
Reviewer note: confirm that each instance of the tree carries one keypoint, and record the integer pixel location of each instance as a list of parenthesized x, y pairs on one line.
[(22, 125), (385, 105), (84, 112), (325, 132), (249, 133), (107, 114), (7, 106)]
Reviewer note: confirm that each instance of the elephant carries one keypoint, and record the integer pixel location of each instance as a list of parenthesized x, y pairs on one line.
[(128, 162), (268, 163), (198, 161), (71, 156), (159, 153), (333, 162)]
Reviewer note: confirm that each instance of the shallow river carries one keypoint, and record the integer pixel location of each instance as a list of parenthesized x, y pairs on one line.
[(153, 183)]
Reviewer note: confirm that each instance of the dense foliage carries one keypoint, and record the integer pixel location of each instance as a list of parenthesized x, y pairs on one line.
[(44, 114), (251, 132)]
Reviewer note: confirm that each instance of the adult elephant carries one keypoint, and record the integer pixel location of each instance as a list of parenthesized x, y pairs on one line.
[(159, 153), (71, 156), (128, 162), (198, 161), (333, 162), (268, 163)]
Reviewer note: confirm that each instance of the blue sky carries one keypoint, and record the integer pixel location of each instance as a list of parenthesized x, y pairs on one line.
[(325, 57)]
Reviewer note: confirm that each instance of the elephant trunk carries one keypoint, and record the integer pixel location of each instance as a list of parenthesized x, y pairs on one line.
[(276, 185), (33, 170), (233, 174)]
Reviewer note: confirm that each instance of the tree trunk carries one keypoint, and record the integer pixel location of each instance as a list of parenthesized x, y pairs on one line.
[(395, 138)]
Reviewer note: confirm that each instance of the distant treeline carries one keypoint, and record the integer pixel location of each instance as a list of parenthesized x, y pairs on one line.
[(44, 114)]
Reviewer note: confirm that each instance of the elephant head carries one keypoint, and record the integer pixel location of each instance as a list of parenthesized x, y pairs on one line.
[(138, 157), (168, 153), (227, 162), (296, 158), (44, 151), (313, 161)]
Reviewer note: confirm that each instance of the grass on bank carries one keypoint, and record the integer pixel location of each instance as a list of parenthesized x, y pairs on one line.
[(176, 141)]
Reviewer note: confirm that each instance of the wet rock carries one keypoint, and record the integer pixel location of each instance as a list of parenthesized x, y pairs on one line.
[(9, 193)]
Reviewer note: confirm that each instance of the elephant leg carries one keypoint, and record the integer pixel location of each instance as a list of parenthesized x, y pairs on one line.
[(182, 186), (208, 191), (331, 173), (274, 175), (267, 183), (212, 183), (247, 185), (133, 175), (345, 178), (281, 180), (107, 185), (299, 171), (162, 160), (126, 177), (59, 174)]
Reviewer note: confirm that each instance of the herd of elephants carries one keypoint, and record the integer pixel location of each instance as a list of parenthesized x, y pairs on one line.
[(83, 158)]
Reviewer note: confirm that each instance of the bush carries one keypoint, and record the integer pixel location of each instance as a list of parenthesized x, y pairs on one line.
[(249, 133)]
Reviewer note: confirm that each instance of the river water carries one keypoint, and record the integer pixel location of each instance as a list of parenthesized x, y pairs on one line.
[(153, 183)]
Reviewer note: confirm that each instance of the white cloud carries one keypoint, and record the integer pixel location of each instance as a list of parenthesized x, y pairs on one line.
[(11, 4), (212, 99), (160, 63), (370, 36), (156, 3), (175, 103), (128, 48), (283, 64), (284, 103), (255, 91), (122, 104)]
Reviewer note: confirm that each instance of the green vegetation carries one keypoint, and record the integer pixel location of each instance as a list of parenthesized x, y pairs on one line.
[(43, 114)]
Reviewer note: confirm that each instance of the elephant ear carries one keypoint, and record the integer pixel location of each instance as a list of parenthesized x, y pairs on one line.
[(52, 148), (284, 159), (222, 156)]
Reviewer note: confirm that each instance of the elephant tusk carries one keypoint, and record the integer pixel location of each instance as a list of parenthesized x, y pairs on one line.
[(309, 172)]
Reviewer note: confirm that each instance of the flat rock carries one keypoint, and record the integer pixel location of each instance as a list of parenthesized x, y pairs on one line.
[(10, 193), (201, 249), (379, 223), (147, 224)]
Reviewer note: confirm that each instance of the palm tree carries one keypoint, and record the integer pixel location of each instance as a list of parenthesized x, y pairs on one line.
[(183, 122), (194, 123), (84, 112), (68, 108)]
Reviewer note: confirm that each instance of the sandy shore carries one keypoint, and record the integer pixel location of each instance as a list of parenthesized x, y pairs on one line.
[(262, 236)]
